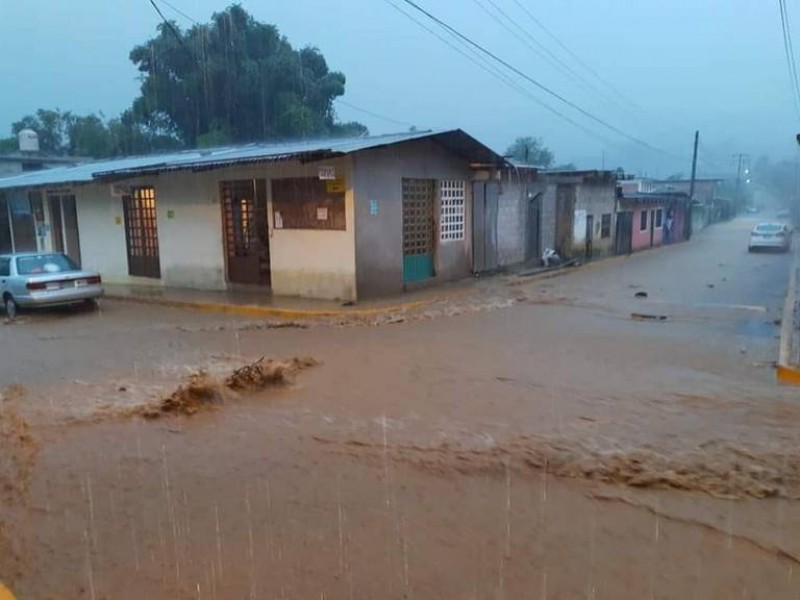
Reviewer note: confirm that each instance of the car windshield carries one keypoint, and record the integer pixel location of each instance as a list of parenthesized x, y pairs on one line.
[(45, 264), (768, 228)]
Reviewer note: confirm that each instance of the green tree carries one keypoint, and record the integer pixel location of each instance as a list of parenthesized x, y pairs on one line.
[(8, 145), (235, 79), (530, 151)]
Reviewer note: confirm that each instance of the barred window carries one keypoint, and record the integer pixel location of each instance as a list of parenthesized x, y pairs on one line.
[(453, 199)]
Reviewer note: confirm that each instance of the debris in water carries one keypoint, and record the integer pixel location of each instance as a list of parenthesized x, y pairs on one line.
[(711, 285), (202, 391), (646, 317), (640, 295)]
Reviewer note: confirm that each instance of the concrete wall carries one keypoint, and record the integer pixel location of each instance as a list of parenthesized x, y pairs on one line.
[(377, 177), (547, 219), (597, 199), (311, 263), (512, 216)]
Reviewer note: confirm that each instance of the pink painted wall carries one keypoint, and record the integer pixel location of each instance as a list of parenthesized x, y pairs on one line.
[(641, 238)]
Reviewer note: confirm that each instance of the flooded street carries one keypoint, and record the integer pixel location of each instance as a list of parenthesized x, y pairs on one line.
[(615, 432)]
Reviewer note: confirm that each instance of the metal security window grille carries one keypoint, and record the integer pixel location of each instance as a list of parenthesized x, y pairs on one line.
[(453, 198), (417, 216), (142, 228), (141, 231)]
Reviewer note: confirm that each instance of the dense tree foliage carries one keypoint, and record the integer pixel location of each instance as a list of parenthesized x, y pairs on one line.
[(235, 79), (530, 151), (231, 80)]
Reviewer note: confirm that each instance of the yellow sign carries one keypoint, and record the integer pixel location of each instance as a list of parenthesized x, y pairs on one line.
[(335, 186)]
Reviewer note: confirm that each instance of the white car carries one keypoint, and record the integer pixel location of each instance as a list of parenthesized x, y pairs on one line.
[(770, 236), (34, 279)]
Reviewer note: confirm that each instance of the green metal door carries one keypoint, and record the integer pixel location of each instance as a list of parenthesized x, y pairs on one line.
[(418, 224)]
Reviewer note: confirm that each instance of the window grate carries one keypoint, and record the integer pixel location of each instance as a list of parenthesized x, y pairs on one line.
[(453, 200)]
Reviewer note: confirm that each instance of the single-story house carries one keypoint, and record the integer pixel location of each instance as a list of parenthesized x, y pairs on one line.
[(647, 220), (336, 219)]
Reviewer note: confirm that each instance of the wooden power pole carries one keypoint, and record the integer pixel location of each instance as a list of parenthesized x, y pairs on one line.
[(691, 185)]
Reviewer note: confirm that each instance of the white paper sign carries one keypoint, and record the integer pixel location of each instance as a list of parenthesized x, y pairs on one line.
[(327, 173), (278, 220), (322, 213)]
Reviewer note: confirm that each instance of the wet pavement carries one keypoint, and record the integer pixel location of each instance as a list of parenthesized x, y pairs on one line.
[(530, 439)]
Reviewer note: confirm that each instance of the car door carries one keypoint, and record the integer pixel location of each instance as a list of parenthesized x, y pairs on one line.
[(5, 274)]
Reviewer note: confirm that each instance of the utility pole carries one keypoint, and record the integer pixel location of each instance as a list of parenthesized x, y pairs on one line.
[(691, 185), (742, 160)]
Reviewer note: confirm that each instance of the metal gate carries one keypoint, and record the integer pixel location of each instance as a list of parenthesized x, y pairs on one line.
[(485, 196), (418, 225), (623, 240), (244, 206), (141, 233), (565, 209)]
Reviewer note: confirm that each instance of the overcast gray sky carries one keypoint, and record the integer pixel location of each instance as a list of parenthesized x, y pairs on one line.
[(677, 65)]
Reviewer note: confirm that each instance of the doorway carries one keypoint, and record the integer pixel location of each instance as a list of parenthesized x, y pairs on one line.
[(246, 233), (589, 236), (141, 232), (418, 229), (485, 197), (565, 214), (532, 222), (623, 240), (64, 226)]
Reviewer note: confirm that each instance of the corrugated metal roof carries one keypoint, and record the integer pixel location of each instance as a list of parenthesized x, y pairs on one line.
[(213, 158)]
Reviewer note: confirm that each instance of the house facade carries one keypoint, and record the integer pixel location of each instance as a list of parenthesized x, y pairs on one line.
[(334, 219), (649, 220)]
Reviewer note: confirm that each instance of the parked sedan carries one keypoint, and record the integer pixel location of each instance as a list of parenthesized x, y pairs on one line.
[(770, 236), (34, 279)]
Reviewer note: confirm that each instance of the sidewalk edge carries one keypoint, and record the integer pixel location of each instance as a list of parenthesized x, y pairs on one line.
[(785, 371), (250, 310)]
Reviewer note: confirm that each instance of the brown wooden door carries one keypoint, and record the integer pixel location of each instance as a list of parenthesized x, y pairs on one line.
[(141, 233), (244, 219)]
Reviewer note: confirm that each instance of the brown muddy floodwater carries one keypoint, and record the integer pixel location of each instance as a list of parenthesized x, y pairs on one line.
[(539, 443)]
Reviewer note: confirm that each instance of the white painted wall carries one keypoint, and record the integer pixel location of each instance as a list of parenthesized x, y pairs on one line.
[(309, 263)]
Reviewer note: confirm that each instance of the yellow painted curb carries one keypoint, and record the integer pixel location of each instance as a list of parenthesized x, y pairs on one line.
[(788, 375), (785, 371), (5, 593), (250, 310)]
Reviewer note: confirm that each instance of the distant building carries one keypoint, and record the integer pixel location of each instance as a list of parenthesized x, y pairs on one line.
[(29, 158), (15, 163)]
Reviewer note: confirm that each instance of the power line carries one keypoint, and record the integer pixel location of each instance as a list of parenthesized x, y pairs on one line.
[(524, 36), (574, 56), (536, 83), (179, 11), (788, 47), (373, 114), (483, 63)]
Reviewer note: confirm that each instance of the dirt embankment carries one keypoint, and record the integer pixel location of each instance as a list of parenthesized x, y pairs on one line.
[(721, 470), (18, 452)]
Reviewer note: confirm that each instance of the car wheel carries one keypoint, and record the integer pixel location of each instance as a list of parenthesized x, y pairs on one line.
[(11, 306), (90, 304)]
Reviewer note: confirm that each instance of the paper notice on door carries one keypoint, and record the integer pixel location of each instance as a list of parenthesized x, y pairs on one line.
[(322, 213), (278, 220)]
